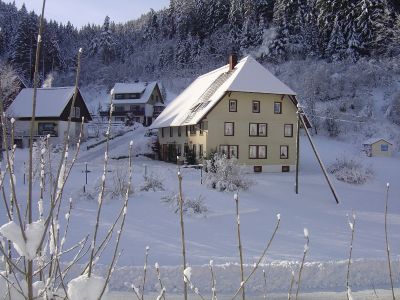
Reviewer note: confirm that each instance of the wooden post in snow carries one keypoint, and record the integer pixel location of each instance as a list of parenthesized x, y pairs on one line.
[(318, 157)]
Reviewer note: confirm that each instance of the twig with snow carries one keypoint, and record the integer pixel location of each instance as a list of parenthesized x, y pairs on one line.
[(236, 198), (306, 247), (102, 188), (187, 274), (278, 216), (182, 232), (265, 284), (162, 288), (352, 224), (387, 240), (145, 270), (125, 209), (291, 285), (213, 282)]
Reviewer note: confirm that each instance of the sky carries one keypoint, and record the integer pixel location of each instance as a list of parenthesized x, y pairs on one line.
[(92, 11)]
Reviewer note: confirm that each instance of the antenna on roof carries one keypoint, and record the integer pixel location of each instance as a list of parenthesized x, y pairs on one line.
[(300, 114)]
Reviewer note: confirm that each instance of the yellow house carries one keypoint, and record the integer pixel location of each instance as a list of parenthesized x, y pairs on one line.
[(241, 110), (378, 147)]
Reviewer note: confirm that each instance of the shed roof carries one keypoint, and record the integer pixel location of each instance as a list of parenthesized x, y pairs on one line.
[(375, 140), (205, 92)]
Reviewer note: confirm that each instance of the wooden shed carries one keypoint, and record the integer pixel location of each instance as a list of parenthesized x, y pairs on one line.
[(378, 147)]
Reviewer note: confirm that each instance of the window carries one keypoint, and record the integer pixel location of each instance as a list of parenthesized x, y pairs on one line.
[(171, 131), (178, 150), (223, 149), (229, 128), (47, 128), (229, 150), (194, 150), (256, 106), (179, 131), (258, 129), (384, 147), (187, 131), (201, 128), (119, 119), (119, 96), (288, 130), (258, 151), (76, 112), (192, 129), (185, 149), (277, 107), (119, 108), (284, 152), (232, 105), (162, 132), (201, 154)]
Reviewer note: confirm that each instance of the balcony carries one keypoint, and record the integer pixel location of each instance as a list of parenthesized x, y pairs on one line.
[(118, 113)]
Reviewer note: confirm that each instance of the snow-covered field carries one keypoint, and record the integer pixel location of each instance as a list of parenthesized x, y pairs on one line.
[(152, 222)]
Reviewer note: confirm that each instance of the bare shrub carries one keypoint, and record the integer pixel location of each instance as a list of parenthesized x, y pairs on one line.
[(225, 174), (194, 206), (350, 170), (152, 182)]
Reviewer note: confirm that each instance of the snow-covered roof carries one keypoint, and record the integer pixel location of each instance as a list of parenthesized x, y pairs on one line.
[(375, 140), (142, 88), (205, 92), (124, 88), (50, 102)]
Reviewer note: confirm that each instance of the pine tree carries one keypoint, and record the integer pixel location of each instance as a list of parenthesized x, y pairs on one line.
[(106, 42), (217, 14), (290, 23), (24, 45), (374, 26), (235, 24), (249, 30)]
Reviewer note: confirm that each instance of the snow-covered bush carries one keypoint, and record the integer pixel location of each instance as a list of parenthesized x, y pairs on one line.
[(350, 170), (43, 158), (225, 174), (152, 182), (116, 188), (194, 206)]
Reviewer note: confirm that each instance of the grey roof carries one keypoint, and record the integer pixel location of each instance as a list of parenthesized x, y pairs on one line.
[(50, 102)]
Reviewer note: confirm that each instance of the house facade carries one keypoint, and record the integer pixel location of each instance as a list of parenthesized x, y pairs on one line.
[(378, 147), (140, 102), (240, 110), (53, 107)]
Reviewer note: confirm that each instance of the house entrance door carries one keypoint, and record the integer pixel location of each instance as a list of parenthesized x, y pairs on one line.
[(164, 152)]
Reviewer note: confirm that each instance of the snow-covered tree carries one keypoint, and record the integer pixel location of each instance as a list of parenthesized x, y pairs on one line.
[(235, 20), (24, 44)]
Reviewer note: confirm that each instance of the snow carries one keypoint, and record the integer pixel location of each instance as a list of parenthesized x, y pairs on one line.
[(248, 76), (50, 102), (150, 222), (85, 288), (124, 88), (33, 233)]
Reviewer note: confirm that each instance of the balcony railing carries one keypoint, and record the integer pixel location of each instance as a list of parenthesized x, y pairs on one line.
[(36, 133)]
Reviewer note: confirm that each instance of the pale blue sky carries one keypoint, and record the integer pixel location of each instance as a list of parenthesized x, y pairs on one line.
[(81, 12)]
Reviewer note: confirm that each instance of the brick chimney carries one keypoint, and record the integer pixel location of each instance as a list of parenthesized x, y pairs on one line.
[(232, 61)]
